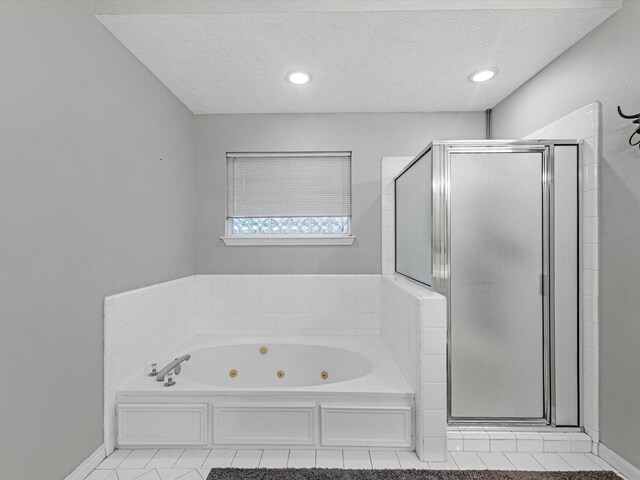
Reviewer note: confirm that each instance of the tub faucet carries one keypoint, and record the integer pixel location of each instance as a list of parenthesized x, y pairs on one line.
[(174, 365)]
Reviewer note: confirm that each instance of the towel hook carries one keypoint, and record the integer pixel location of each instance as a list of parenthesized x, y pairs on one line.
[(635, 119)]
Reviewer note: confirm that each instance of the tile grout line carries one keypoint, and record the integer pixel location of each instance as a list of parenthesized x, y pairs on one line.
[(513, 467), (580, 457), (123, 459), (536, 460), (183, 452), (182, 476), (151, 459), (482, 461)]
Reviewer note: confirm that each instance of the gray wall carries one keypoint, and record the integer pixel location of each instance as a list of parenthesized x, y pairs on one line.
[(604, 66), (87, 209), (368, 136)]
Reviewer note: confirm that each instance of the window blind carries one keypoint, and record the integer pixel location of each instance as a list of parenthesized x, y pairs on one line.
[(289, 184)]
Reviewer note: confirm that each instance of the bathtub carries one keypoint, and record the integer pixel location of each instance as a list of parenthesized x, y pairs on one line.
[(272, 365), (272, 392)]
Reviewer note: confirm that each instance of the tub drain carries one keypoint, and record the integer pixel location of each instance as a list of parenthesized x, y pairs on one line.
[(324, 374), (280, 373), (233, 373)]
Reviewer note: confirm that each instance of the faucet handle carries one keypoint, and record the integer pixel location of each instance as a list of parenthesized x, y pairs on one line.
[(154, 370), (170, 381)]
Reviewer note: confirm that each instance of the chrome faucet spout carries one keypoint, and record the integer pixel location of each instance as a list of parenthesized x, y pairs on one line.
[(174, 365)]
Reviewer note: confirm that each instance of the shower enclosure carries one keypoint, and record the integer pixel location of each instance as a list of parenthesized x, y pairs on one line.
[(493, 226)]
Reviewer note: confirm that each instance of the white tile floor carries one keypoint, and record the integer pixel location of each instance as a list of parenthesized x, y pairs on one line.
[(194, 464)]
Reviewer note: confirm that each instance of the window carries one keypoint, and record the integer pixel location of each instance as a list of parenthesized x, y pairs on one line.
[(288, 198)]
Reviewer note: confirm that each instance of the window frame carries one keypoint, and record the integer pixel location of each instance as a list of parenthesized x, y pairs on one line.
[(231, 239)]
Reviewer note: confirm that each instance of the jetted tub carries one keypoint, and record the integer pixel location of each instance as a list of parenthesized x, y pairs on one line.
[(274, 365), (272, 392)]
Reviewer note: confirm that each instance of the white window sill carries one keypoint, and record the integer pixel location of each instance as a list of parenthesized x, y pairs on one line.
[(266, 240)]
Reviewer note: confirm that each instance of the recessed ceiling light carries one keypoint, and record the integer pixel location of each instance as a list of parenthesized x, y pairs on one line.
[(483, 75), (298, 77)]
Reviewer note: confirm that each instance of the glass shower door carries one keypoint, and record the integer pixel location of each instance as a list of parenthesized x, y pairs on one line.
[(496, 303)]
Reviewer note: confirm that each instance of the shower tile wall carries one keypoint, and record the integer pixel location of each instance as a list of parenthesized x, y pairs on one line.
[(139, 325), (584, 124), (414, 330), (288, 304), (581, 124)]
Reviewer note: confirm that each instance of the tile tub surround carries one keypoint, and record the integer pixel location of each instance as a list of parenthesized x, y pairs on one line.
[(414, 329), (141, 325), (288, 304)]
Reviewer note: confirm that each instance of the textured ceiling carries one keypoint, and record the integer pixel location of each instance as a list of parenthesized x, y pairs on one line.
[(360, 61)]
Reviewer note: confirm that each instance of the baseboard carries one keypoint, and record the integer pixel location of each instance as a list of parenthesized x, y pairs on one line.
[(619, 463), (85, 468)]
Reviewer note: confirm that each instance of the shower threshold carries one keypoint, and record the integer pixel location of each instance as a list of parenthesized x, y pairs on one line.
[(518, 438)]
